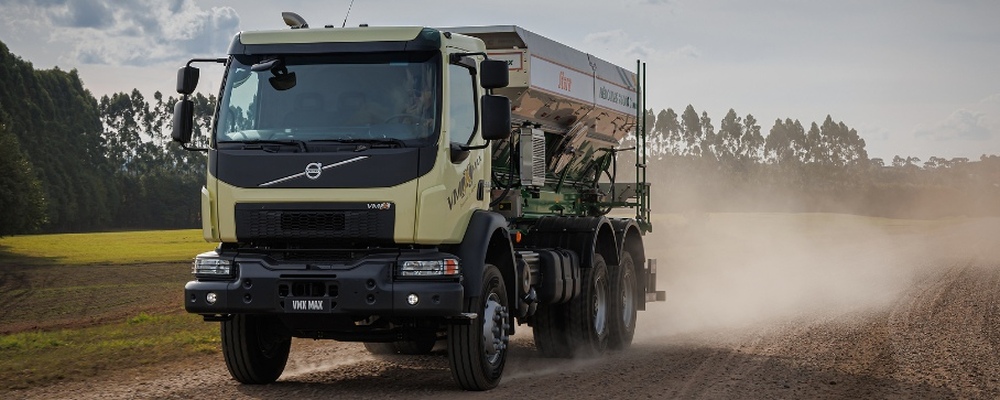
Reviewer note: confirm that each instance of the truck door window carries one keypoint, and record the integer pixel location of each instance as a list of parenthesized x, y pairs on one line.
[(462, 104), (241, 107)]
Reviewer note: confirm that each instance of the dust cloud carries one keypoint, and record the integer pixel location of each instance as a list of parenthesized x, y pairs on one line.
[(729, 271), (325, 355)]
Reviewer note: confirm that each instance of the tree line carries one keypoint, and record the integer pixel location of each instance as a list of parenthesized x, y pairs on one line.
[(826, 168), (72, 162)]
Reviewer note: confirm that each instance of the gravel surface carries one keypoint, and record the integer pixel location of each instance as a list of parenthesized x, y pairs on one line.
[(849, 312)]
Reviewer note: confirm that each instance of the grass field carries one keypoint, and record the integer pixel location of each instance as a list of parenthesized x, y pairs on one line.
[(80, 305), (133, 247), (38, 358)]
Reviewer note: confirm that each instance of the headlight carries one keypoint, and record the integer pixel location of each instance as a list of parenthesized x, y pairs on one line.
[(209, 266), (446, 267)]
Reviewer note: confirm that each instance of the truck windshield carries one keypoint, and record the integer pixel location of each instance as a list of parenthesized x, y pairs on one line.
[(391, 97)]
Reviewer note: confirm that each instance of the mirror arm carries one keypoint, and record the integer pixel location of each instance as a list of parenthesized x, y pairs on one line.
[(454, 58), (215, 60), (192, 148), (480, 147)]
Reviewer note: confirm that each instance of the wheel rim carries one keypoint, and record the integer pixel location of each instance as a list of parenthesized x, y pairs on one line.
[(600, 306), (495, 335), (628, 299)]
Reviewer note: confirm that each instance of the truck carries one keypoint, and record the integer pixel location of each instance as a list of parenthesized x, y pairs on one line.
[(411, 186)]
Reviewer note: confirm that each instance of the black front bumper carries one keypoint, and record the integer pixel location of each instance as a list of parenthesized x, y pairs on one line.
[(361, 288)]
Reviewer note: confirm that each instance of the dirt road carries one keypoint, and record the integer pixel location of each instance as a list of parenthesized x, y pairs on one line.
[(759, 306)]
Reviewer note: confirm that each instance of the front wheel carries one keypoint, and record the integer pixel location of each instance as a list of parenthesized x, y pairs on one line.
[(255, 348), (477, 352)]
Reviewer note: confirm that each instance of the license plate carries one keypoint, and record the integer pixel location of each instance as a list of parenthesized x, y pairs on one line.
[(307, 305)]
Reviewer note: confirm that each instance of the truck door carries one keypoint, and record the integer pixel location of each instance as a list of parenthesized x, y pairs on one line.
[(445, 205), (461, 126)]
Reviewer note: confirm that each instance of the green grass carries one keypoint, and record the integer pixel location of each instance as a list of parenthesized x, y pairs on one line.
[(29, 359), (76, 306), (133, 247)]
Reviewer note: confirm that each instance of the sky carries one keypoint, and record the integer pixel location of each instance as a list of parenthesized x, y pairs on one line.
[(913, 77)]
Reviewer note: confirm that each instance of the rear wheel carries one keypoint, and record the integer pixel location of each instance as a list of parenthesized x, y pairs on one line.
[(549, 330), (255, 348), (624, 304), (477, 352), (588, 313)]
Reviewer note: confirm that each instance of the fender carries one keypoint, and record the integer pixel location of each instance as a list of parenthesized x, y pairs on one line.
[(584, 235), (630, 239), (486, 238)]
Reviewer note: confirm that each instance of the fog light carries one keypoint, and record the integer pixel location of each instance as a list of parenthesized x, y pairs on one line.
[(211, 298), (413, 299)]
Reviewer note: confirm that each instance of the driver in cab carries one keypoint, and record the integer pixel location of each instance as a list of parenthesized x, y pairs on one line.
[(353, 108)]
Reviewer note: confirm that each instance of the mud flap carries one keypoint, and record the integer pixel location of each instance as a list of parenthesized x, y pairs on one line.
[(651, 293)]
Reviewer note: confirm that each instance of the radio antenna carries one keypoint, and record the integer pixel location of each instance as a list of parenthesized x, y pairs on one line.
[(348, 14)]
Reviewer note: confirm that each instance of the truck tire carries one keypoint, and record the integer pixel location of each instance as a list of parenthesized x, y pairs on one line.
[(255, 348), (477, 352), (549, 330), (624, 304), (589, 312)]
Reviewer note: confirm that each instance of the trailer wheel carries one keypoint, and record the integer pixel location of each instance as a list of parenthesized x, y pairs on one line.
[(589, 312), (477, 352), (549, 331), (255, 348), (623, 304)]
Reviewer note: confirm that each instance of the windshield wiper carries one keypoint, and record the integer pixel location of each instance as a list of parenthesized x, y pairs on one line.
[(256, 144), (365, 144)]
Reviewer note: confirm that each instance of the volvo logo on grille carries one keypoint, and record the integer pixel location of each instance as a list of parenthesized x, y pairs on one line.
[(313, 170)]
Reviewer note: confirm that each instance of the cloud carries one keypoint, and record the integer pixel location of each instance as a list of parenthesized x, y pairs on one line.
[(684, 52), (979, 122), (618, 41), (659, 2), (606, 37), (960, 125), (83, 14), (137, 33)]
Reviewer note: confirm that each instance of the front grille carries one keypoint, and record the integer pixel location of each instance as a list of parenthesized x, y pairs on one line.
[(308, 289), (258, 222), (294, 255), (312, 221)]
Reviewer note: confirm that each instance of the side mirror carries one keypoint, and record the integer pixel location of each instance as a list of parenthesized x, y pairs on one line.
[(496, 116), (493, 74), (183, 120), (187, 79)]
